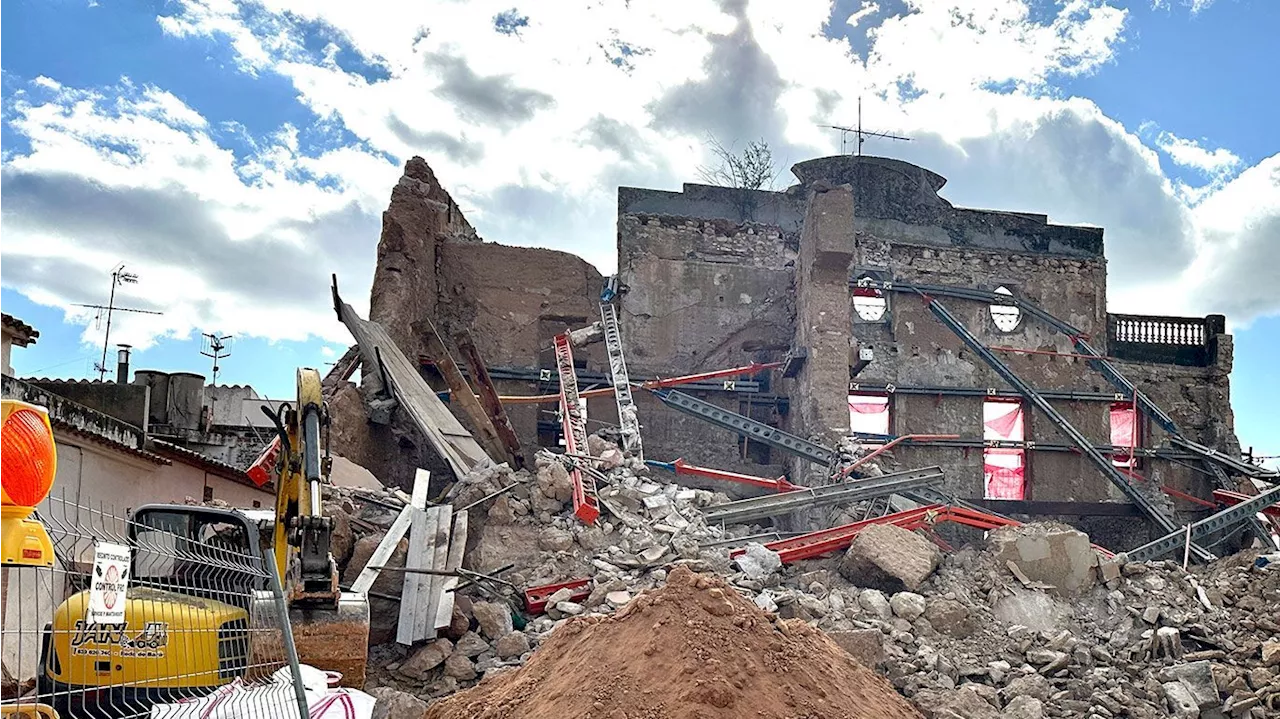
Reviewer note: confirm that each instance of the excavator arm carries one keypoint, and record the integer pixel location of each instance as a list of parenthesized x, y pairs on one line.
[(330, 627)]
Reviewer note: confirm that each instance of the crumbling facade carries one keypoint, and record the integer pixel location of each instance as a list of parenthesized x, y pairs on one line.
[(714, 277)]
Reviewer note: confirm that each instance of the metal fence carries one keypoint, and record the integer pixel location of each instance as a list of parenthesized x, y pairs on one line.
[(168, 612)]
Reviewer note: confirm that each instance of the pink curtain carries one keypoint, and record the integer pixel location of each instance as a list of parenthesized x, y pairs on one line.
[(1003, 469), (869, 414), (1123, 428)]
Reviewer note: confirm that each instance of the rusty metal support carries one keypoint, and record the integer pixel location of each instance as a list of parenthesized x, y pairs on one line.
[(489, 396), (461, 394)]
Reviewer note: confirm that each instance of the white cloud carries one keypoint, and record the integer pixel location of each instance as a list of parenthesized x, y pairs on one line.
[(128, 173), (533, 132), (1190, 153)]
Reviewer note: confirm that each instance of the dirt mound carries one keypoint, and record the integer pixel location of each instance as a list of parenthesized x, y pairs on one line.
[(692, 649)]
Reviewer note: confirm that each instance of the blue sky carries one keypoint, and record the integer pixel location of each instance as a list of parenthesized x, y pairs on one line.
[(235, 154)]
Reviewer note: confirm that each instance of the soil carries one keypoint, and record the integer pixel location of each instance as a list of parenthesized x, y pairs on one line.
[(694, 649)]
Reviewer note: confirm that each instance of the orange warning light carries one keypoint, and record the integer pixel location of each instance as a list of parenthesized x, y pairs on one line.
[(28, 462)]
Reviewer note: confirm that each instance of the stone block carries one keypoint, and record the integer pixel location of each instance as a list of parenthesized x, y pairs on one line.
[(950, 617), (1058, 556), (1198, 679), (907, 605), (494, 619), (512, 645), (394, 704), (430, 656), (890, 558), (864, 645)]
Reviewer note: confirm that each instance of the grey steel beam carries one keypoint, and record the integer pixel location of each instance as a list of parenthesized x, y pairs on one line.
[(1086, 447), (774, 505), (1225, 519), (747, 427), (1239, 466), (876, 387)]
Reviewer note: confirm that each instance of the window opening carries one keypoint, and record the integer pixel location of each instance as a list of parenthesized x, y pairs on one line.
[(1004, 468), (869, 303), (1006, 317), (1124, 434), (869, 413)]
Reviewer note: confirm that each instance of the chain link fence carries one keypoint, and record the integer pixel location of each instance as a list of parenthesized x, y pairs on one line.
[(172, 611)]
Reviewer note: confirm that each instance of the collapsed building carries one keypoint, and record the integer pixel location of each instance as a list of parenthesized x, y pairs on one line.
[(835, 284)]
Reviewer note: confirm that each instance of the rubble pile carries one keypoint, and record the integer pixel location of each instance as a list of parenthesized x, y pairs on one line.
[(1030, 622), (694, 648)]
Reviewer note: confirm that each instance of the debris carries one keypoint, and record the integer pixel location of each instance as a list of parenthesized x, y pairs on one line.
[(393, 704), (889, 557), (514, 644), (758, 562), (907, 605), (763, 666), (494, 619), (1059, 557)]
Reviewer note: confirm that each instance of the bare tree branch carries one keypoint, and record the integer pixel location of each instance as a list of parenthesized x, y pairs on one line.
[(752, 169)]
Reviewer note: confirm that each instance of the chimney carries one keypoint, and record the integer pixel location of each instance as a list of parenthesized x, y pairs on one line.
[(122, 364)]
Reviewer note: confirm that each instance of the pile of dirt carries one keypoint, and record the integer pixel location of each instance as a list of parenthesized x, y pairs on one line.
[(694, 648)]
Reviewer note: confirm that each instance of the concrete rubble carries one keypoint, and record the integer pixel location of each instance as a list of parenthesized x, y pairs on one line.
[(1028, 622)]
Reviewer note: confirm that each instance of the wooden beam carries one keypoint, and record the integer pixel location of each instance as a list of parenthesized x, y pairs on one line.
[(463, 397), (392, 538), (489, 395), (437, 424), (457, 546)]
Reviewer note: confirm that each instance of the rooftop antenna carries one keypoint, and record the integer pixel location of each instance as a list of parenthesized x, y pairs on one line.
[(213, 349), (118, 277), (214, 345), (860, 133)]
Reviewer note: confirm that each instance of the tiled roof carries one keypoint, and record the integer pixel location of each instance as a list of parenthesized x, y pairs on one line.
[(222, 469), (26, 334)]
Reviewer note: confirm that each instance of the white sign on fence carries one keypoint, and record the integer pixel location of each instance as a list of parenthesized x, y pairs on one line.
[(109, 584)]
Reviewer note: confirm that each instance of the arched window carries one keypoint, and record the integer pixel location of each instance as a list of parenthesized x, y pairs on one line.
[(869, 303), (1007, 316)]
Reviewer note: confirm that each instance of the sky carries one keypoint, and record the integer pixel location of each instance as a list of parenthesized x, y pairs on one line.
[(234, 154)]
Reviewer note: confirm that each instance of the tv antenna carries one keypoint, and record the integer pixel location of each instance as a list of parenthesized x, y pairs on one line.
[(861, 134), (118, 277), (213, 349)]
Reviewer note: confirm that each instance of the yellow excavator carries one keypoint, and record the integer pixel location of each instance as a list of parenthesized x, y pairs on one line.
[(202, 607)]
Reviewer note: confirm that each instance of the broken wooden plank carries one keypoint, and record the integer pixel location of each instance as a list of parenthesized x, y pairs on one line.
[(432, 418), (342, 369), (387, 546), (489, 395), (461, 395), (457, 546), (425, 628), (416, 593)]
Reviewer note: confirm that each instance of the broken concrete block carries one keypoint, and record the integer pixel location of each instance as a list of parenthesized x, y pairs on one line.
[(1058, 556), (459, 667), (758, 561), (551, 539), (1024, 707), (1181, 703), (494, 619), (1271, 653), (865, 645), (512, 645), (554, 482), (950, 617), (393, 704), (571, 609), (907, 605), (617, 599), (875, 603), (430, 656), (890, 558), (471, 645), (1198, 679)]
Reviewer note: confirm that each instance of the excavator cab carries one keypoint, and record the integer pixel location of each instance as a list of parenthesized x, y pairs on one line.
[(176, 547)]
